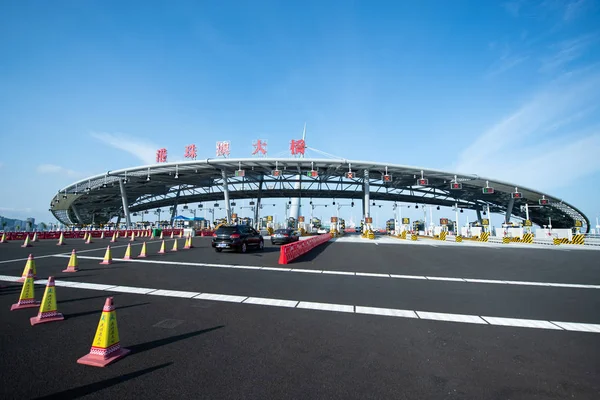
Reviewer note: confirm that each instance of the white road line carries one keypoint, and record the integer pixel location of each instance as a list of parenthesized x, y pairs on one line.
[(390, 312), (173, 293), (523, 323), (470, 319), (346, 308), (220, 297), (326, 306), (271, 302), (578, 327), (441, 278), (312, 271), (25, 259), (372, 274), (130, 289)]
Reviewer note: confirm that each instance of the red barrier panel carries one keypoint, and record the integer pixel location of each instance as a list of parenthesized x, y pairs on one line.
[(291, 251)]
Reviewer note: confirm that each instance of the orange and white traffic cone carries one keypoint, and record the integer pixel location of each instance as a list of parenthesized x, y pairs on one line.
[(73, 263), (35, 238), (48, 310), (143, 251), (132, 237), (106, 347), (161, 236), (89, 238), (174, 245), (26, 243), (172, 234), (107, 257), (29, 266), (3, 239), (162, 248), (27, 296), (114, 238), (85, 234), (127, 255), (188, 243), (61, 240)]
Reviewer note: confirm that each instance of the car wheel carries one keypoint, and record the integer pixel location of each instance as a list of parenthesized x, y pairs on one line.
[(218, 250), (244, 247), (261, 245)]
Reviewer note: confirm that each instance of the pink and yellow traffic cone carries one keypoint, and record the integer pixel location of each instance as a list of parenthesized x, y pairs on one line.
[(143, 251), (26, 243), (48, 310), (106, 347), (29, 266), (107, 257), (61, 240), (162, 248), (73, 263), (174, 245), (35, 238), (132, 237), (27, 296), (3, 239), (114, 238), (89, 238), (127, 255)]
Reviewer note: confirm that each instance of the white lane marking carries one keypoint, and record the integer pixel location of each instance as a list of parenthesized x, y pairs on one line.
[(326, 306), (220, 297), (577, 327), (390, 312), (372, 274), (435, 316), (407, 276), (307, 271), (271, 302), (25, 259), (130, 289), (173, 293), (470, 319), (376, 244), (523, 323), (339, 272), (441, 278)]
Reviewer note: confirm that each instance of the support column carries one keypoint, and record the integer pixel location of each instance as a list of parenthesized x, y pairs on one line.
[(175, 204), (226, 193), (366, 201), (478, 215), (125, 203), (77, 214), (257, 205), (509, 209)]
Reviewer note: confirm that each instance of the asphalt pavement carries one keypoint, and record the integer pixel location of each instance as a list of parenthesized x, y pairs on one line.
[(297, 331)]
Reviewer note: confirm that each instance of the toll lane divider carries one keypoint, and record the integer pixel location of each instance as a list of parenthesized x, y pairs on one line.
[(291, 251)]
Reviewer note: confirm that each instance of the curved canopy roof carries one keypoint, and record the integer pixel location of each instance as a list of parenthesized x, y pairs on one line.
[(98, 198)]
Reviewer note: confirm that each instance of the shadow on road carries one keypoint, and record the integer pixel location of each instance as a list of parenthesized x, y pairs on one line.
[(96, 386), (86, 298), (139, 348)]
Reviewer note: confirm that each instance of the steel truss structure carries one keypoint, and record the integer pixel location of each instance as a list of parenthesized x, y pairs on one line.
[(100, 198)]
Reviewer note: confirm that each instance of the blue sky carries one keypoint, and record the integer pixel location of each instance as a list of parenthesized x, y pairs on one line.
[(509, 90)]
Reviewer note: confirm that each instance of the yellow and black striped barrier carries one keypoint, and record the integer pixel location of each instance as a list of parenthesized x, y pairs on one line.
[(506, 240), (578, 239), (458, 239), (528, 238), (403, 235), (414, 236), (556, 241), (485, 236), (443, 235)]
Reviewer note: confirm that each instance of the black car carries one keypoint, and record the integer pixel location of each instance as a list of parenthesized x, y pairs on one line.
[(283, 236), (237, 237)]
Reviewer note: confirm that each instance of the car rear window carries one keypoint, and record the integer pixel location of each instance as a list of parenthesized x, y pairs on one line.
[(226, 230), (281, 231)]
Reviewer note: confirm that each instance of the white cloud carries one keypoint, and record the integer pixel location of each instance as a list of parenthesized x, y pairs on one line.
[(538, 144), (57, 169), (567, 51), (143, 150)]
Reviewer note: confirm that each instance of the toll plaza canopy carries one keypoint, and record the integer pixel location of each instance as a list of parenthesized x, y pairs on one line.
[(100, 198)]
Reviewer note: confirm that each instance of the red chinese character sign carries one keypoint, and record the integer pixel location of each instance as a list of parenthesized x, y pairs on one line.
[(222, 149), (161, 155), (260, 148), (297, 147), (190, 151)]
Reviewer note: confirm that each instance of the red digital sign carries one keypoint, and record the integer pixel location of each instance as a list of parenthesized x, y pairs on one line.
[(422, 182), (517, 195), (544, 202), (488, 190), (455, 186)]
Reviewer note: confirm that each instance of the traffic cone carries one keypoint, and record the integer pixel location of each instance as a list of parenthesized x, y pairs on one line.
[(48, 312), (61, 240), (180, 234), (85, 236), (114, 238), (106, 347), (3, 239), (188, 243), (161, 235), (89, 238), (127, 252), (143, 251), (27, 296), (35, 238), (172, 234), (152, 235), (107, 257), (73, 263), (174, 245), (162, 248), (132, 237), (102, 236), (29, 266), (26, 243)]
